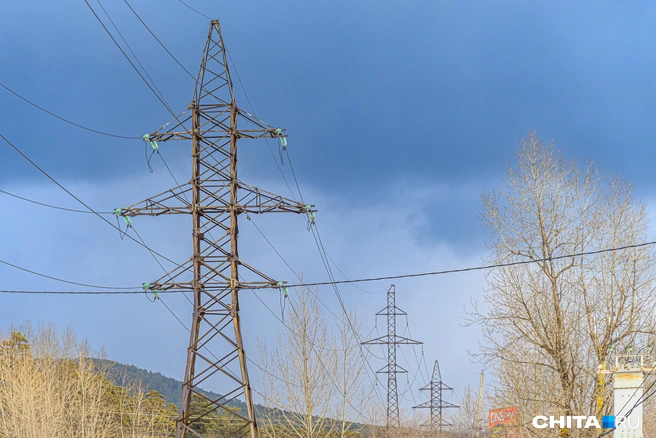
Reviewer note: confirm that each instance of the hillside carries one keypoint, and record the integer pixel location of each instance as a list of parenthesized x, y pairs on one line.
[(170, 388)]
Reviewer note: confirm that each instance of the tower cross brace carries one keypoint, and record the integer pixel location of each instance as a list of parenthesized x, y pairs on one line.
[(212, 274), (392, 340)]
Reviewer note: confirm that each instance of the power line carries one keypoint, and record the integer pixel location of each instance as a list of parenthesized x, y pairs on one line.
[(347, 278), (414, 380), (160, 43), (333, 350), (312, 347), (324, 259), (64, 281), (112, 292), (241, 84), (84, 292), (262, 368), (477, 268), (361, 280), (320, 301), (159, 93), (130, 61), (198, 12), (349, 281), (174, 315), (73, 210), (640, 401), (64, 119), (291, 269), (324, 255), (78, 199), (414, 352), (326, 262), (374, 387), (158, 262), (291, 166), (316, 295)]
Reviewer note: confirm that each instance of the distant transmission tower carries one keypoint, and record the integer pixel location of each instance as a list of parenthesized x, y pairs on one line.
[(436, 404), (392, 340), (217, 198)]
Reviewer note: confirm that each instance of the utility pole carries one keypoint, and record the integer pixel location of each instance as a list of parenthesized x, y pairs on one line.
[(436, 404), (480, 407), (212, 274), (392, 340)]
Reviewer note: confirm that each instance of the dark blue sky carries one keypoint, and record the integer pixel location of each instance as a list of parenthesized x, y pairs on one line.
[(372, 90), (399, 114)]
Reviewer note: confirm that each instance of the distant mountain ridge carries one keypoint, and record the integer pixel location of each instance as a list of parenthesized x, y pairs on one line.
[(171, 389)]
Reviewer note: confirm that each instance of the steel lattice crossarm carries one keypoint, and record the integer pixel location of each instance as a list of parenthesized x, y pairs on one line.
[(180, 130), (215, 198), (252, 200), (387, 339), (213, 279)]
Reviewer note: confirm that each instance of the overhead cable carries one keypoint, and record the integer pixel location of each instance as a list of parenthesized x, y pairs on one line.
[(79, 200), (158, 40), (156, 90), (130, 61), (476, 268), (73, 210), (196, 11), (66, 120), (93, 286)]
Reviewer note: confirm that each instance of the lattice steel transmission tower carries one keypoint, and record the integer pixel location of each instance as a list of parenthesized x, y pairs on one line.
[(436, 404), (215, 197), (392, 340)]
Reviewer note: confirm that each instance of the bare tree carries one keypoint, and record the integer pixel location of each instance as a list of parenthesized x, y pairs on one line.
[(549, 323), (350, 372), (48, 388), (465, 418), (51, 387), (299, 372), (315, 375)]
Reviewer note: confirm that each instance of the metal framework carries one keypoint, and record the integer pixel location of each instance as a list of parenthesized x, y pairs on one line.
[(392, 340), (436, 404), (218, 197)]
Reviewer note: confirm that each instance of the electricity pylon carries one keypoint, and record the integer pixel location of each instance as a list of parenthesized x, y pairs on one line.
[(218, 197), (436, 404), (392, 340)]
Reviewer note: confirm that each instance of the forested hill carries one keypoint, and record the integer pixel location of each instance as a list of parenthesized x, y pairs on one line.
[(171, 389), (125, 375)]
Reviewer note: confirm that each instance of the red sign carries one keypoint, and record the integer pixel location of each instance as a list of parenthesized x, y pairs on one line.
[(503, 416)]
